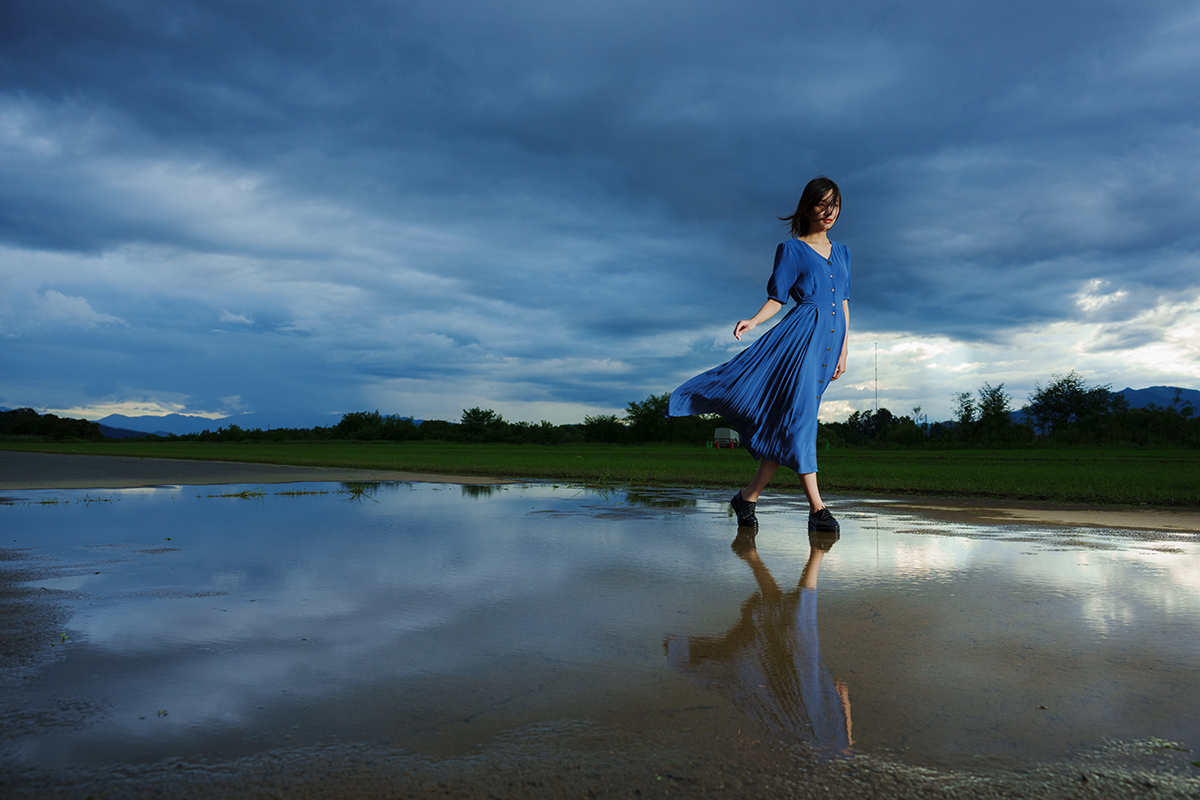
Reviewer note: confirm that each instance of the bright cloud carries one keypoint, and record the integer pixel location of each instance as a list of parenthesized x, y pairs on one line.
[(130, 408), (57, 307), (241, 319)]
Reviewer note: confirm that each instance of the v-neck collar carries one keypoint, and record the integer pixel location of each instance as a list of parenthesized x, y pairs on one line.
[(818, 252)]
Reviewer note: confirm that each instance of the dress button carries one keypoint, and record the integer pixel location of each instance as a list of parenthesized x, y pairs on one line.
[(824, 365)]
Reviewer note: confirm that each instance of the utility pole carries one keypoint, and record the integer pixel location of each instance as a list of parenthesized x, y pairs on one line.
[(877, 377)]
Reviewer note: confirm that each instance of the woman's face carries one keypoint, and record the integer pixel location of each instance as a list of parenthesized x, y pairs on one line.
[(822, 216)]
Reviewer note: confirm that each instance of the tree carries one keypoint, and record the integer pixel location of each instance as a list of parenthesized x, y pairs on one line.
[(27, 422), (364, 425), (964, 412), (398, 428), (439, 430), (648, 419), (478, 422), (871, 425), (904, 431), (604, 428), (994, 412), (1186, 410), (1069, 400)]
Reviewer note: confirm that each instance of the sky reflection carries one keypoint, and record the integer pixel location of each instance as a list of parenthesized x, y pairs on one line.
[(437, 618)]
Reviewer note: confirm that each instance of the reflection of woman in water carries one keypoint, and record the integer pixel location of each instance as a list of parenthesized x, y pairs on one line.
[(769, 664)]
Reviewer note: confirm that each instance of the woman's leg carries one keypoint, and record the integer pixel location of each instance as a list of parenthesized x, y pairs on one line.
[(809, 479), (762, 476), (764, 473)]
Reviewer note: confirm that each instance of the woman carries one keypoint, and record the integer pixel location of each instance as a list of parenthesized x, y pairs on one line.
[(771, 391)]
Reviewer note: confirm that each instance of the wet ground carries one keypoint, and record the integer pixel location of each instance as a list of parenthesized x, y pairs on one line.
[(208, 634), (22, 471)]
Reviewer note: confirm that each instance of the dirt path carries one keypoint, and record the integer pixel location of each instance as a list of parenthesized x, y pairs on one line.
[(22, 471), (1074, 515)]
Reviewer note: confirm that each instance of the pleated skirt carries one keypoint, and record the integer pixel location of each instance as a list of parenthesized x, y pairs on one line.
[(770, 392)]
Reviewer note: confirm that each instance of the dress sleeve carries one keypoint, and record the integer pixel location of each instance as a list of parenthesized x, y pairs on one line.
[(785, 274)]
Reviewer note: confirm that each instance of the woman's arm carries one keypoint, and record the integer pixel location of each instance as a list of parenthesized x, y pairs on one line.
[(769, 309), (841, 365)]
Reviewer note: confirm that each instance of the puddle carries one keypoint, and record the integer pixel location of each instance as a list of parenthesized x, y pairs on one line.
[(213, 623)]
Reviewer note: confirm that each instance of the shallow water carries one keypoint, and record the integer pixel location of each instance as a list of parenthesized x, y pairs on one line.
[(437, 618)]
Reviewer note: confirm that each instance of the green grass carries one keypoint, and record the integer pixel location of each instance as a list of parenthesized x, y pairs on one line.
[(1104, 476)]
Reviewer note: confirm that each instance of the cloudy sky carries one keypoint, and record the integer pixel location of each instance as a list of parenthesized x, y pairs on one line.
[(551, 209)]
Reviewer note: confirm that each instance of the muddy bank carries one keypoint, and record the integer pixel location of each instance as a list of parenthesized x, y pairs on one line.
[(22, 471), (559, 761), (32, 634), (30, 619), (946, 509)]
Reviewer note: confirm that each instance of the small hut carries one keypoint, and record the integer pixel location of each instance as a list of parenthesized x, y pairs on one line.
[(726, 437)]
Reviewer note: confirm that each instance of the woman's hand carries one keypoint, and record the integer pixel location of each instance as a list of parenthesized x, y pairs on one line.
[(840, 369), (765, 313)]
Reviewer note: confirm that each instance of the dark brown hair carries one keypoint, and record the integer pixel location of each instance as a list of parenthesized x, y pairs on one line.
[(812, 196)]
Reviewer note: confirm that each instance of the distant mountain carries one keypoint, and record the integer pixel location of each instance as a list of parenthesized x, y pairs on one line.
[(180, 424), (120, 433), (1160, 396), (1140, 398), (164, 425)]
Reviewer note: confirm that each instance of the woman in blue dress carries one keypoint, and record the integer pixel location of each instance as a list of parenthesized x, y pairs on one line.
[(771, 391)]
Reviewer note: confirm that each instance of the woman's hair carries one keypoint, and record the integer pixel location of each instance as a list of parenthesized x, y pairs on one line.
[(813, 194)]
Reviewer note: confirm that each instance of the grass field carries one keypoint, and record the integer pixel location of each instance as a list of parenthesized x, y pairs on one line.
[(1104, 476)]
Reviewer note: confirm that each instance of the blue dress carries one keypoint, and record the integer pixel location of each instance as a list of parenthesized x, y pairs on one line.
[(771, 391)]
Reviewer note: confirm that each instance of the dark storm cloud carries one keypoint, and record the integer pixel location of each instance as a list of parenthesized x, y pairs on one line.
[(526, 182)]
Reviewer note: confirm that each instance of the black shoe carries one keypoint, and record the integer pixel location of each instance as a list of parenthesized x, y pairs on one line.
[(745, 511), (823, 522)]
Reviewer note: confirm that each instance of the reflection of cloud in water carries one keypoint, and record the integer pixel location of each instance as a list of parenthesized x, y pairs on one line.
[(430, 595), (1171, 585), (930, 556), (1143, 577), (218, 658), (136, 491)]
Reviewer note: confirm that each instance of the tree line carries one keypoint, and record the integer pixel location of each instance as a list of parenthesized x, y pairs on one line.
[(643, 422), (27, 424), (1067, 411)]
